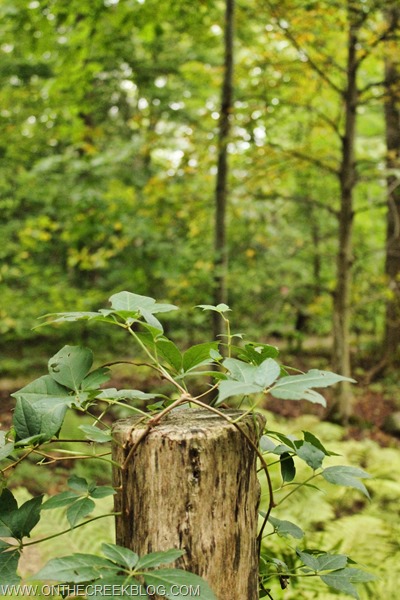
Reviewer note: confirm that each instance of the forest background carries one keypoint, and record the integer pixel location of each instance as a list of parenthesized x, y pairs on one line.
[(111, 115)]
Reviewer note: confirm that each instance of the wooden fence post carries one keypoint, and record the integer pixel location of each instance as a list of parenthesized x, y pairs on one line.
[(191, 483)]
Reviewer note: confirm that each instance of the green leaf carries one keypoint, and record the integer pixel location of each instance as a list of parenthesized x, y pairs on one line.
[(41, 388), (102, 491), (309, 560), (26, 517), (198, 355), (262, 375), (95, 379), (8, 565), (313, 456), (347, 476), (121, 556), (114, 394), (79, 484), (6, 450), (154, 559), (8, 505), (312, 439), (79, 510), (286, 528), (124, 588), (39, 417), (288, 469), (76, 568), (230, 388), (62, 499), (126, 301), (220, 308), (257, 353), (298, 387), (331, 562), (343, 580), (95, 434), (175, 579), (70, 366), (170, 353)]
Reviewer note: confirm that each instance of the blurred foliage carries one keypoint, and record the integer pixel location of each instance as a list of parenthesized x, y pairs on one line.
[(109, 114)]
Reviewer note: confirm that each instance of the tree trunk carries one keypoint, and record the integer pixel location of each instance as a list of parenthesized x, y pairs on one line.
[(342, 292), (392, 263), (220, 246), (192, 484)]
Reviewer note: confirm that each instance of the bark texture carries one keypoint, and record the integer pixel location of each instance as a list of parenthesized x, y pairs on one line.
[(221, 186), (192, 484), (392, 122), (342, 293)]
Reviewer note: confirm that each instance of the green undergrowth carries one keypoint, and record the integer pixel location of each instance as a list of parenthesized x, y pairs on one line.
[(340, 521)]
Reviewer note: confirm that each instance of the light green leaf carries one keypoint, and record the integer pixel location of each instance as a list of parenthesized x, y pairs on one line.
[(95, 379), (175, 579), (220, 308), (343, 580), (262, 375), (126, 301), (95, 434), (121, 556), (298, 387), (114, 394), (286, 528), (230, 388), (70, 366), (154, 559), (6, 450), (79, 510), (309, 560), (347, 476)]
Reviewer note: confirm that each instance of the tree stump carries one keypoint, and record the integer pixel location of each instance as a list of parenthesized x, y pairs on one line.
[(191, 484)]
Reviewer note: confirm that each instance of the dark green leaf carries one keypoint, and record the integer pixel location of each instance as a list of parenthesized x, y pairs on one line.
[(175, 579), (257, 353), (70, 366), (8, 565), (79, 484), (102, 492), (62, 499), (347, 476), (75, 568), (288, 469), (41, 388), (121, 556), (26, 517), (79, 510), (286, 528), (8, 505), (198, 355), (124, 588)]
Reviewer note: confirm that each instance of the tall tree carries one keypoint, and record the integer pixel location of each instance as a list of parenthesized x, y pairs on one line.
[(221, 188), (392, 126)]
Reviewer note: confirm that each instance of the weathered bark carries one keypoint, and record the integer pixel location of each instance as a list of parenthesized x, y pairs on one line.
[(192, 484), (392, 123), (342, 292), (221, 189)]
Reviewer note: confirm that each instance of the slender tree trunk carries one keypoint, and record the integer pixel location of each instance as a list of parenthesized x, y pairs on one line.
[(221, 190), (392, 263), (342, 292)]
